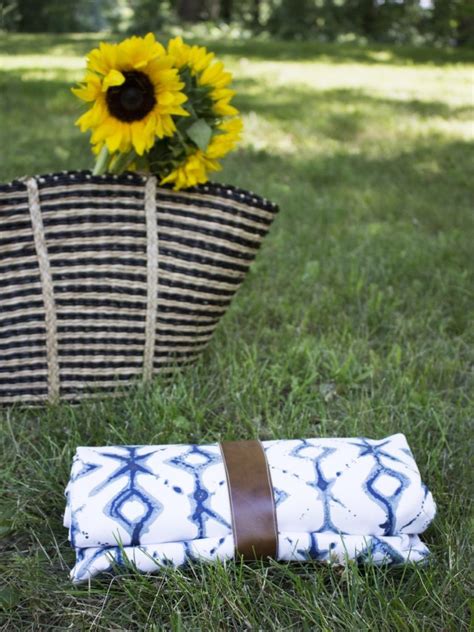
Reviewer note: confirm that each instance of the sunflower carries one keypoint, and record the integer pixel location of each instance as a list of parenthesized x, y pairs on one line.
[(135, 91), (195, 168), (208, 74), (213, 128)]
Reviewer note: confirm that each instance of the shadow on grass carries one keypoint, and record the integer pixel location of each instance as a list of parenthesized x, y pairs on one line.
[(49, 44), (340, 113), (254, 48), (38, 133), (427, 186), (293, 104), (399, 222), (298, 102), (429, 179), (339, 53)]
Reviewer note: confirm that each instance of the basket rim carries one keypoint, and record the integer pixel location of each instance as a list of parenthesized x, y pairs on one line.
[(128, 178)]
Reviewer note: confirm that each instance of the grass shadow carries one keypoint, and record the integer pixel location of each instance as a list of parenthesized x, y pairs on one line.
[(339, 53), (253, 48), (301, 102)]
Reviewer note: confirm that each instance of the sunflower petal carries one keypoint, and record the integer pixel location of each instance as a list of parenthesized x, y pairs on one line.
[(114, 140), (113, 78), (222, 108), (138, 137), (103, 59), (89, 89), (165, 98)]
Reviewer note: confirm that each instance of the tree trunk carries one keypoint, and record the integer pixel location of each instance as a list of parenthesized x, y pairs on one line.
[(226, 10), (465, 20), (213, 10), (369, 17), (465, 31), (189, 10), (256, 13)]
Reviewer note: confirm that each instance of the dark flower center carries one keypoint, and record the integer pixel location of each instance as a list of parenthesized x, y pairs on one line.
[(133, 99)]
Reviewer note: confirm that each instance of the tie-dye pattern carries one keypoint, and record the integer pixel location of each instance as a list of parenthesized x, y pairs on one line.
[(336, 499)]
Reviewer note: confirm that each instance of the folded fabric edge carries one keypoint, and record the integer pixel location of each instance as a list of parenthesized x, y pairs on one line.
[(328, 548)]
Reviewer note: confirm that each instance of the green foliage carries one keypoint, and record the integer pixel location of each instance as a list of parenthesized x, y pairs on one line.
[(193, 131), (293, 19), (454, 19), (9, 15), (148, 15), (54, 16), (447, 22), (354, 320), (57, 16), (389, 21)]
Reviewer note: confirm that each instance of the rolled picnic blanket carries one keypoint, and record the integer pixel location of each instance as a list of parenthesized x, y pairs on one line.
[(324, 499)]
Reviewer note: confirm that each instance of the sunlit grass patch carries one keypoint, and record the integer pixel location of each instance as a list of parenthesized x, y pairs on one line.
[(44, 62)]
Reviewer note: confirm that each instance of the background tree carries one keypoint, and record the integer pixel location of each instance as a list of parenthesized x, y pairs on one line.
[(465, 23), (58, 16), (189, 10), (453, 21), (226, 10), (256, 6), (293, 18), (149, 15), (448, 22)]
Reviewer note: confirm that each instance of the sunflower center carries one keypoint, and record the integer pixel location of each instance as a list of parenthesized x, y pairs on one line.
[(133, 99)]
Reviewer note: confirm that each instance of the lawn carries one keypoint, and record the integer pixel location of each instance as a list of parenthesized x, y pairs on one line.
[(356, 319)]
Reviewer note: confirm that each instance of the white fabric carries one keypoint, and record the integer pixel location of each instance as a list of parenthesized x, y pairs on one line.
[(335, 499)]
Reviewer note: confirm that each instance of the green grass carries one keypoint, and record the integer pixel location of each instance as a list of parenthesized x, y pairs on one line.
[(356, 319)]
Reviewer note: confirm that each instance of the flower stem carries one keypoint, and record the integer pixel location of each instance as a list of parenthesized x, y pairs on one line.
[(120, 162), (101, 162)]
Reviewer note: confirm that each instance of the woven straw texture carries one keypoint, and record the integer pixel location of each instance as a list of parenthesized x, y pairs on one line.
[(108, 280)]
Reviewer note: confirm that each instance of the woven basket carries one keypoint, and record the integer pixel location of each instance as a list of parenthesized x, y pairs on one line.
[(107, 280)]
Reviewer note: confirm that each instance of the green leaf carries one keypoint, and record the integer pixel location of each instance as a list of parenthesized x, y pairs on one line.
[(5, 529), (200, 133), (9, 598)]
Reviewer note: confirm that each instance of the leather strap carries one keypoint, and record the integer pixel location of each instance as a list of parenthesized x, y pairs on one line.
[(251, 499)]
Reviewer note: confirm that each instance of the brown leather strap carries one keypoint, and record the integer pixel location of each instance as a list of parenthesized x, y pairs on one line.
[(251, 499)]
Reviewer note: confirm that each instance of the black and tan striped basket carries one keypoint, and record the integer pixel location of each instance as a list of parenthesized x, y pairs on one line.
[(109, 280)]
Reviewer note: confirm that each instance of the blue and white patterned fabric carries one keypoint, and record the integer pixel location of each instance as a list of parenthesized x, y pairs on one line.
[(336, 499)]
